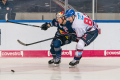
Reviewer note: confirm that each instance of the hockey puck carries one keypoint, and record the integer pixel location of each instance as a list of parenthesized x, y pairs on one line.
[(12, 71)]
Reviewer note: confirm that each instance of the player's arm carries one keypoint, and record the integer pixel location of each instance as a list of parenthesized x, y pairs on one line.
[(46, 25), (72, 35), (53, 23)]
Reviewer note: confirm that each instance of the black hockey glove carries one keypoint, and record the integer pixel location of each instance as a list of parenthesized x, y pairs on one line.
[(72, 37), (44, 26)]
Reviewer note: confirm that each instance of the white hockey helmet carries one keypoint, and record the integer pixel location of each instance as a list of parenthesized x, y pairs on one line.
[(60, 14)]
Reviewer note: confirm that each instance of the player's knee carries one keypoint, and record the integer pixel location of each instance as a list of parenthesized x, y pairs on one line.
[(80, 44), (57, 44), (78, 53), (52, 50)]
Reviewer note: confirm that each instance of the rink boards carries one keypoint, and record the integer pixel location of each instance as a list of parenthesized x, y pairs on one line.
[(65, 53), (107, 44)]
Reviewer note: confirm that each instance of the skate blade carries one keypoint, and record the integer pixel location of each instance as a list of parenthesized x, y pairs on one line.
[(73, 66), (56, 65)]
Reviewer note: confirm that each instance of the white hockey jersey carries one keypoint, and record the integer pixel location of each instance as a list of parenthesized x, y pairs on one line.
[(82, 24)]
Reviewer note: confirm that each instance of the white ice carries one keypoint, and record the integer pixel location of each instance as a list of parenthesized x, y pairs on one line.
[(94, 68)]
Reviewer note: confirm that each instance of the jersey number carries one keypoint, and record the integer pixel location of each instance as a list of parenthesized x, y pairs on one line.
[(88, 21)]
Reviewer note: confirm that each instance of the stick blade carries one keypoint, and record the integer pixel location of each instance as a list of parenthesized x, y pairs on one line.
[(21, 43)]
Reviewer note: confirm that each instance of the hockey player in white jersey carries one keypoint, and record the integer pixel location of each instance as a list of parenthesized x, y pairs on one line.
[(86, 31)]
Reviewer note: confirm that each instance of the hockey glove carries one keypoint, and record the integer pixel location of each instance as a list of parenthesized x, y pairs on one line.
[(44, 26), (72, 37)]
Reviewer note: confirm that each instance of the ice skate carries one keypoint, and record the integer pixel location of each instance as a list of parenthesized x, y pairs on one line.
[(73, 63), (57, 62), (51, 61)]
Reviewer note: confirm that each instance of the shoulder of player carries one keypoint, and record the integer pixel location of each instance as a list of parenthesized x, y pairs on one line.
[(54, 20), (76, 22)]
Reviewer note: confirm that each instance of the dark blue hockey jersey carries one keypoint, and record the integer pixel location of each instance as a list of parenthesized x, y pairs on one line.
[(65, 29)]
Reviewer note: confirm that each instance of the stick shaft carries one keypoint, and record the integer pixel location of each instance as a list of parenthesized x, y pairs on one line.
[(39, 41), (33, 42), (23, 24), (6, 17)]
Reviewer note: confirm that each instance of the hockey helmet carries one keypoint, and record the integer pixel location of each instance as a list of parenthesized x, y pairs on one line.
[(69, 13), (60, 14)]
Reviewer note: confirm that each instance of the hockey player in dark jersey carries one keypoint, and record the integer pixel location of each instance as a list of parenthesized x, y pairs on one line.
[(64, 35)]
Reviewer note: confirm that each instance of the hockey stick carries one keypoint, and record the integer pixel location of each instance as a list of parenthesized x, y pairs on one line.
[(6, 18), (40, 41), (33, 42)]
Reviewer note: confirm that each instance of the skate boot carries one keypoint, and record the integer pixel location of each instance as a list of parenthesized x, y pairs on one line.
[(57, 62), (51, 61), (73, 63)]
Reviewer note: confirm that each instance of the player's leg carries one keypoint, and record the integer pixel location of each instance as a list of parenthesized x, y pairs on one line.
[(84, 41), (52, 50), (53, 55), (89, 37), (78, 54), (57, 48)]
